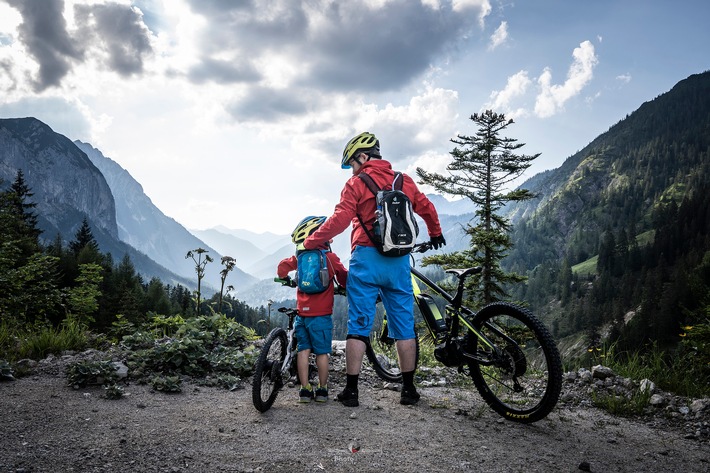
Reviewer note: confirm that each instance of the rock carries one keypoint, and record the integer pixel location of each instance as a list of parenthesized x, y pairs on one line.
[(699, 405), (586, 376), (121, 369), (657, 400), (602, 372), (647, 385)]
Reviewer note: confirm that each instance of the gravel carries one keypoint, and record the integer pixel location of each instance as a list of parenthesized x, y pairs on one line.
[(47, 426)]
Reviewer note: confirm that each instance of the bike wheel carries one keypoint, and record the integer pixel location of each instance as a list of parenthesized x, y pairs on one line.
[(523, 378), (267, 373), (381, 351)]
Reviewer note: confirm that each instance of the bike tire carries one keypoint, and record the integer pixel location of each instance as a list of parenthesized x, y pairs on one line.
[(532, 360), (381, 352), (267, 379)]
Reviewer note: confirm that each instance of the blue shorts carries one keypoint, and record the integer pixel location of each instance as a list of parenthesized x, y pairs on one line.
[(370, 274), (315, 334)]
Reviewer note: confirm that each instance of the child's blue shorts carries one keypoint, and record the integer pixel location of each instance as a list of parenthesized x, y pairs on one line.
[(315, 333)]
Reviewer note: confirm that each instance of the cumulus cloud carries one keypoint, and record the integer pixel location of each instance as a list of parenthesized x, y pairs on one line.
[(116, 31), (499, 36), (345, 46), (553, 97), (44, 33), (111, 32), (502, 100)]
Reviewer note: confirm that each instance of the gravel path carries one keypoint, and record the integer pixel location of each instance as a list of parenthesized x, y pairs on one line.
[(49, 427)]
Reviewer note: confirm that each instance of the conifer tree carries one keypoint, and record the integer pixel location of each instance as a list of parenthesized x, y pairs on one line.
[(483, 166)]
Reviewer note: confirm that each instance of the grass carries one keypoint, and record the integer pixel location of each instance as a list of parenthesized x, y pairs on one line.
[(675, 372), (38, 342)]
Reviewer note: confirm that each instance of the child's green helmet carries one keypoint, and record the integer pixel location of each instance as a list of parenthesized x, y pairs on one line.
[(365, 142), (305, 227)]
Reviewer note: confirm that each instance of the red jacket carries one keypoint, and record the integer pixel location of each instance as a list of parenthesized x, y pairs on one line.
[(356, 199), (311, 305)]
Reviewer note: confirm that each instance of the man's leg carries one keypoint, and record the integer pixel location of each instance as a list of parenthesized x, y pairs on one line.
[(354, 353), (407, 354)]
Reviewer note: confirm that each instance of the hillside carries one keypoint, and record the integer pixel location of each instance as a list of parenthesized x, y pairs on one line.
[(656, 154)]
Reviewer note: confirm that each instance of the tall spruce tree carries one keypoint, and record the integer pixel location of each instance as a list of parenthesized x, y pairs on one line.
[(483, 166)]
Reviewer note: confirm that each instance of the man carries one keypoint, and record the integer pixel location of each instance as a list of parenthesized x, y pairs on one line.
[(371, 273)]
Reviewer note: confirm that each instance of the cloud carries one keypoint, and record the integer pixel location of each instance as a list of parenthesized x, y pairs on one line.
[(499, 36), (116, 31), (553, 97), (501, 101), (625, 78), (338, 46), (111, 32), (44, 33)]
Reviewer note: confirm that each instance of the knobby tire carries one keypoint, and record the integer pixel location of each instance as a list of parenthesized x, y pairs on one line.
[(524, 384), (267, 379)]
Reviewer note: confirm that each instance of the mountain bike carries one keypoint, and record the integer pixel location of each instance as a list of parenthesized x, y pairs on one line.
[(276, 363), (508, 353)]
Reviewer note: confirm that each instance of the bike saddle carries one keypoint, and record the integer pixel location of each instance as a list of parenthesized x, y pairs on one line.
[(462, 273)]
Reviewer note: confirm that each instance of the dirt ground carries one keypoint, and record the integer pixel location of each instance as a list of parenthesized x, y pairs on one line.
[(47, 426)]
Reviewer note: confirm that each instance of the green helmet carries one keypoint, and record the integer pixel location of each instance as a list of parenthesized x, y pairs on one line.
[(305, 227), (365, 142)]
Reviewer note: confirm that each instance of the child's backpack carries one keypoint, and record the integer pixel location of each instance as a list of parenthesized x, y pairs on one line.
[(395, 229), (312, 271)]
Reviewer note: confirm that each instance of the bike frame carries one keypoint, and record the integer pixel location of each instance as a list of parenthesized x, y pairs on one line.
[(461, 315), (291, 340)]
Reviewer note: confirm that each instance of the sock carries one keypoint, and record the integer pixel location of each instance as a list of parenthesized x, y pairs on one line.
[(307, 386), (408, 379), (351, 381)]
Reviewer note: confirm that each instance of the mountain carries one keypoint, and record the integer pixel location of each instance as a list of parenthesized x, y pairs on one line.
[(655, 155), (68, 187), (143, 226), (66, 184), (242, 250)]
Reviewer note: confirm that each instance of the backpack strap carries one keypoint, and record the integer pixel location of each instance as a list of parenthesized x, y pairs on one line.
[(370, 183)]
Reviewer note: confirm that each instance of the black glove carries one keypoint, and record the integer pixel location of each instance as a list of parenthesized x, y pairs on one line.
[(438, 241)]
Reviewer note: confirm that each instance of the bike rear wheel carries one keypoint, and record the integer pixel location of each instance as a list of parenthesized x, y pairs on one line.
[(382, 352), (524, 378), (268, 370)]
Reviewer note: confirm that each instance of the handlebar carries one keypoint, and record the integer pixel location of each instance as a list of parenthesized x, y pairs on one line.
[(422, 247), (287, 281)]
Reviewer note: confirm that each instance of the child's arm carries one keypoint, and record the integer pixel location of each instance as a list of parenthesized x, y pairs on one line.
[(286, 266)]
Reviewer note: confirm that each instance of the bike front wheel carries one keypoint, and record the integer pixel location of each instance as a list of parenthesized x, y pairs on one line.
[(521, 378), (268, 379)]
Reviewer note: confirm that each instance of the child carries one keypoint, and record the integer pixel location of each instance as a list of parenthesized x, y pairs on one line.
[(314, 324)]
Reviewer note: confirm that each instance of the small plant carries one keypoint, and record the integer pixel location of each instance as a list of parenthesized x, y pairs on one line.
[(5, 371), (84, 373), (168, 384), (113, 391), (622, 405)]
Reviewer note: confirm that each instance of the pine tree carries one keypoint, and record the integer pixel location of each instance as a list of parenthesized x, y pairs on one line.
[(483, 166), (83, 239)]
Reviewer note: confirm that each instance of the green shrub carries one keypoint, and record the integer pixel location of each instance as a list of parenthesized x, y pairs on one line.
[(113, 391), (84, 373), (168, 384)]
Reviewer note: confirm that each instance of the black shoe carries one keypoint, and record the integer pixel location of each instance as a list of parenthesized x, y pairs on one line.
[(348, 397), (409, 396)]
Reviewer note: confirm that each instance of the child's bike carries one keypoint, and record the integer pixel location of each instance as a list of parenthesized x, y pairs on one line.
[(276, 363), (509, 354)]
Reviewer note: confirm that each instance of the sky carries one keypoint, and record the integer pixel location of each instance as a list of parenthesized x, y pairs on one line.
[(235, 113)]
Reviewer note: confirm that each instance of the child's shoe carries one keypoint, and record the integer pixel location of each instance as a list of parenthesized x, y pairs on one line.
[(305, 394), (321, 393)]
